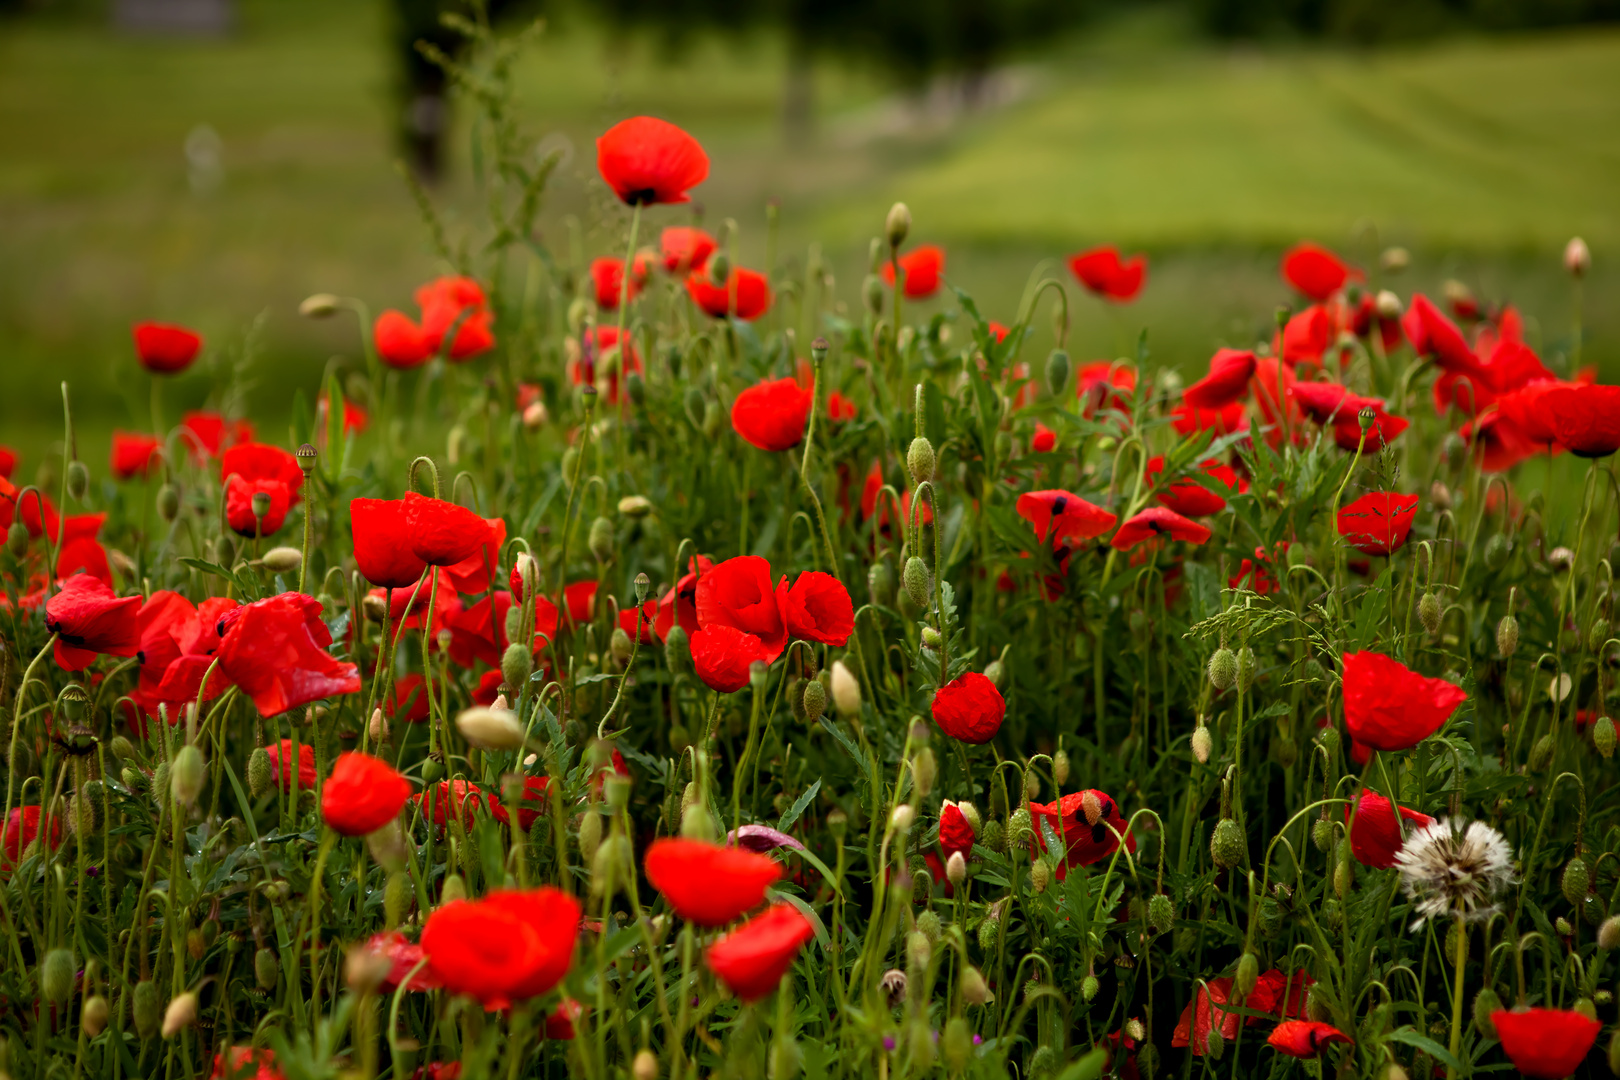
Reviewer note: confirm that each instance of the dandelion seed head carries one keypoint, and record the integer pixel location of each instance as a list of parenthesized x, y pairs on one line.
[(1455, 868)]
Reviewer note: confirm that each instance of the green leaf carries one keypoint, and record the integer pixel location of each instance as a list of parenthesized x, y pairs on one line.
[(1410, 1037), (786, 821), (1087, 1068)]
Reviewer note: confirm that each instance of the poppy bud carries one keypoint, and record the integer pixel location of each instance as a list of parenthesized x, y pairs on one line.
[(1057, 372), (56, 976), (846, 690), (879, 583), (490, 729), (920, 460), (180, 1013), (1586, 1007), (78, 479), (266, 969), (1223, 668), (320, 305), (1597, 634), (1040, 875), (1388, 305), (897, 225), (915, 579), (1577, 257), (1161, 913), (677, 651), (987, 934), (160, 782), (619, 646), (1497, 550), (148, 1009), (1485, 1003), (901, 818), (453, 889), (607, 865), (815, 700), (282, 560), (1603, 736), (645, 1066), (1560, 559), (93, 1017), (712, 416), (1575, 881), (1613, 1052), (1323, 835), (1246, 976), (135, 780), (1215, 1044), (1227, 845), (1429, 612), (1541, 753), (1343, 878), (719, 269), (187, 775), (17, 540), (1202, 742), (601, 539), (1245, 669), (377, 726), (396, 898)]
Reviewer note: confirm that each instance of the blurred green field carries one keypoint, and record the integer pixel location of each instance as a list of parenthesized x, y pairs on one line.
[(1482, 156)]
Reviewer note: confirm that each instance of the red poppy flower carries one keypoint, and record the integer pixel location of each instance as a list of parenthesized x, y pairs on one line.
[(632, 625), (560, 1021), (135, 455), (1526, 407), (1434, 335), (679, 605), (1104, 384), (362, 795), (1256, 574), (1204, 1013), (579, 600), (274, 650), (596, 344), (531, 803), (247, 1063), (402, 957), (355, 419), (1586, 418), (722, 656), (1279, 995), (478, 632), (1378, 522), (1347, 433), (1329, 402), (738, 593), (1497, 441), (1388, 706), (969, 708), (8, 462), (1190, 498), (607, 275), (840, 408), (1304, 1038), (752, 959), (771, 415), (442, 533), (1104, 274), (1375, 838), (1270, 386), (249, 469), (1085, 841), (1314, 270), (382, 543), (746, 294), (1548, 1044), (22, 829), (87, 618), (508, 947), (409, 700), (708, 884), (818, 608), (955, 833), (448, 800), (446, 300), (922, 268), (1155, 522), (1187, 419), (207, 433), (1306, 337), (647, 161), (400, 342), (1044, 440), (1227, 381), (1063, 517), (474, 573), (685, 248), (283, 778), (164, 349)]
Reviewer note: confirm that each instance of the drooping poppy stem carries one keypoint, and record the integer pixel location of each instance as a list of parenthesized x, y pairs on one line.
[(624, 305)]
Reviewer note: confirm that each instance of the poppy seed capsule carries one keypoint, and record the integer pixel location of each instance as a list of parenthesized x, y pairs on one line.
[(168, 503), (56, 976), (17, 539), (282, 560), (1245, 669), (78, 479), (1576, 880), (260, 504), (601, 539), (1541, 753), (1057, 371), (148, 1009), (187, 775), (266, 969), (915, 579), (1429, 613), (1603, 736), (1227, 845), (1223, 668), (920, 460)]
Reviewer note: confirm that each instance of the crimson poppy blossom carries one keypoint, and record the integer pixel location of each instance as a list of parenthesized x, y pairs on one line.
[(1105, 274), (1306, 337), (771, 415), (1348, 433), (1314, 270), (1304, 1038), (458, 302), (640, 625), (23, 828), (250, 469), (278, 659), (922, 268), (355, 419), (1433, 335), (708, 884), (1155, 522), (362, 795), (135, 455), (247, 1063), (685, 248), (442, 533), (1204, 1014), (738, 593), (164, 348), (752, 959), (508, 947), (746, 294), (969, 708), (1329, 402), (1548, 1044), (1104, 384), (648, 161), (1044, 441), (531, 801), (723, 657), (402, 957), (8, 462), (1188, 419), (281, 776), (607, 276), (1388, 706), (560, 1021), (401, 343), (1497, 442), (88, 618), (598, 346), (1526, 407), (840, 408), (579, 602), (1086, 840), (1063, 517), (1190, 498), (1586, 418), (1227, 381), (408, 701), (678, 606), (474, 573), (1378, 522), (818, 608), (955, 832), (207, 433), (1279, 995), (450, 800), (1375, 837), (382, 543)]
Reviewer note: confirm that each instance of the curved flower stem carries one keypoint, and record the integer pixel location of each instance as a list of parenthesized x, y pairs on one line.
[(16, 726)]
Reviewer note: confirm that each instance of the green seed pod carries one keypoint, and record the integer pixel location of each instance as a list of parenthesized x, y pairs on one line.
[(924, 771), (1586, 1007), (1245, 669), (1577, 879), (148, 1009), (713, 415), (396, 898), (17, 540), (1603, 736), (187, 775), (1057, 372), (168, 503), (93, 1018), (1246, 976), (1040, 875), (635, 388), (433, 768), (1161, 913), (1323, 834), (266, 969), (928, 923), (1429, 613), (815, 700), (994, 836), (1485, 1003), (122, 748), (1227, 845), (1497, 551), (873, 293), (1215, 1045), (259, 772), (160, 783), (988, 929), (1019, 828), (1223, 668), (1329, 740), (1597, 634), (677, 651), (1507, 636), (78, 479), (880, 583), (619, 646), (601, 539), (996, 673), (517, 664), (956, 1044), (1541, 753), (590, 834), (915, 580), (920, 460), (56, 976), (454, 888)]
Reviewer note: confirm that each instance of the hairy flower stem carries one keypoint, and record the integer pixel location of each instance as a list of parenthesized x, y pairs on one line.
[(1461, 959), (624, 308), (16, 726)]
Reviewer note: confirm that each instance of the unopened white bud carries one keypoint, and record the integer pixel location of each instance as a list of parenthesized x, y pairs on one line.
[(490, 729), (846, 690), (1577, 257), (956, 869), (378, 727), (902, 817), (181, 1012)]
